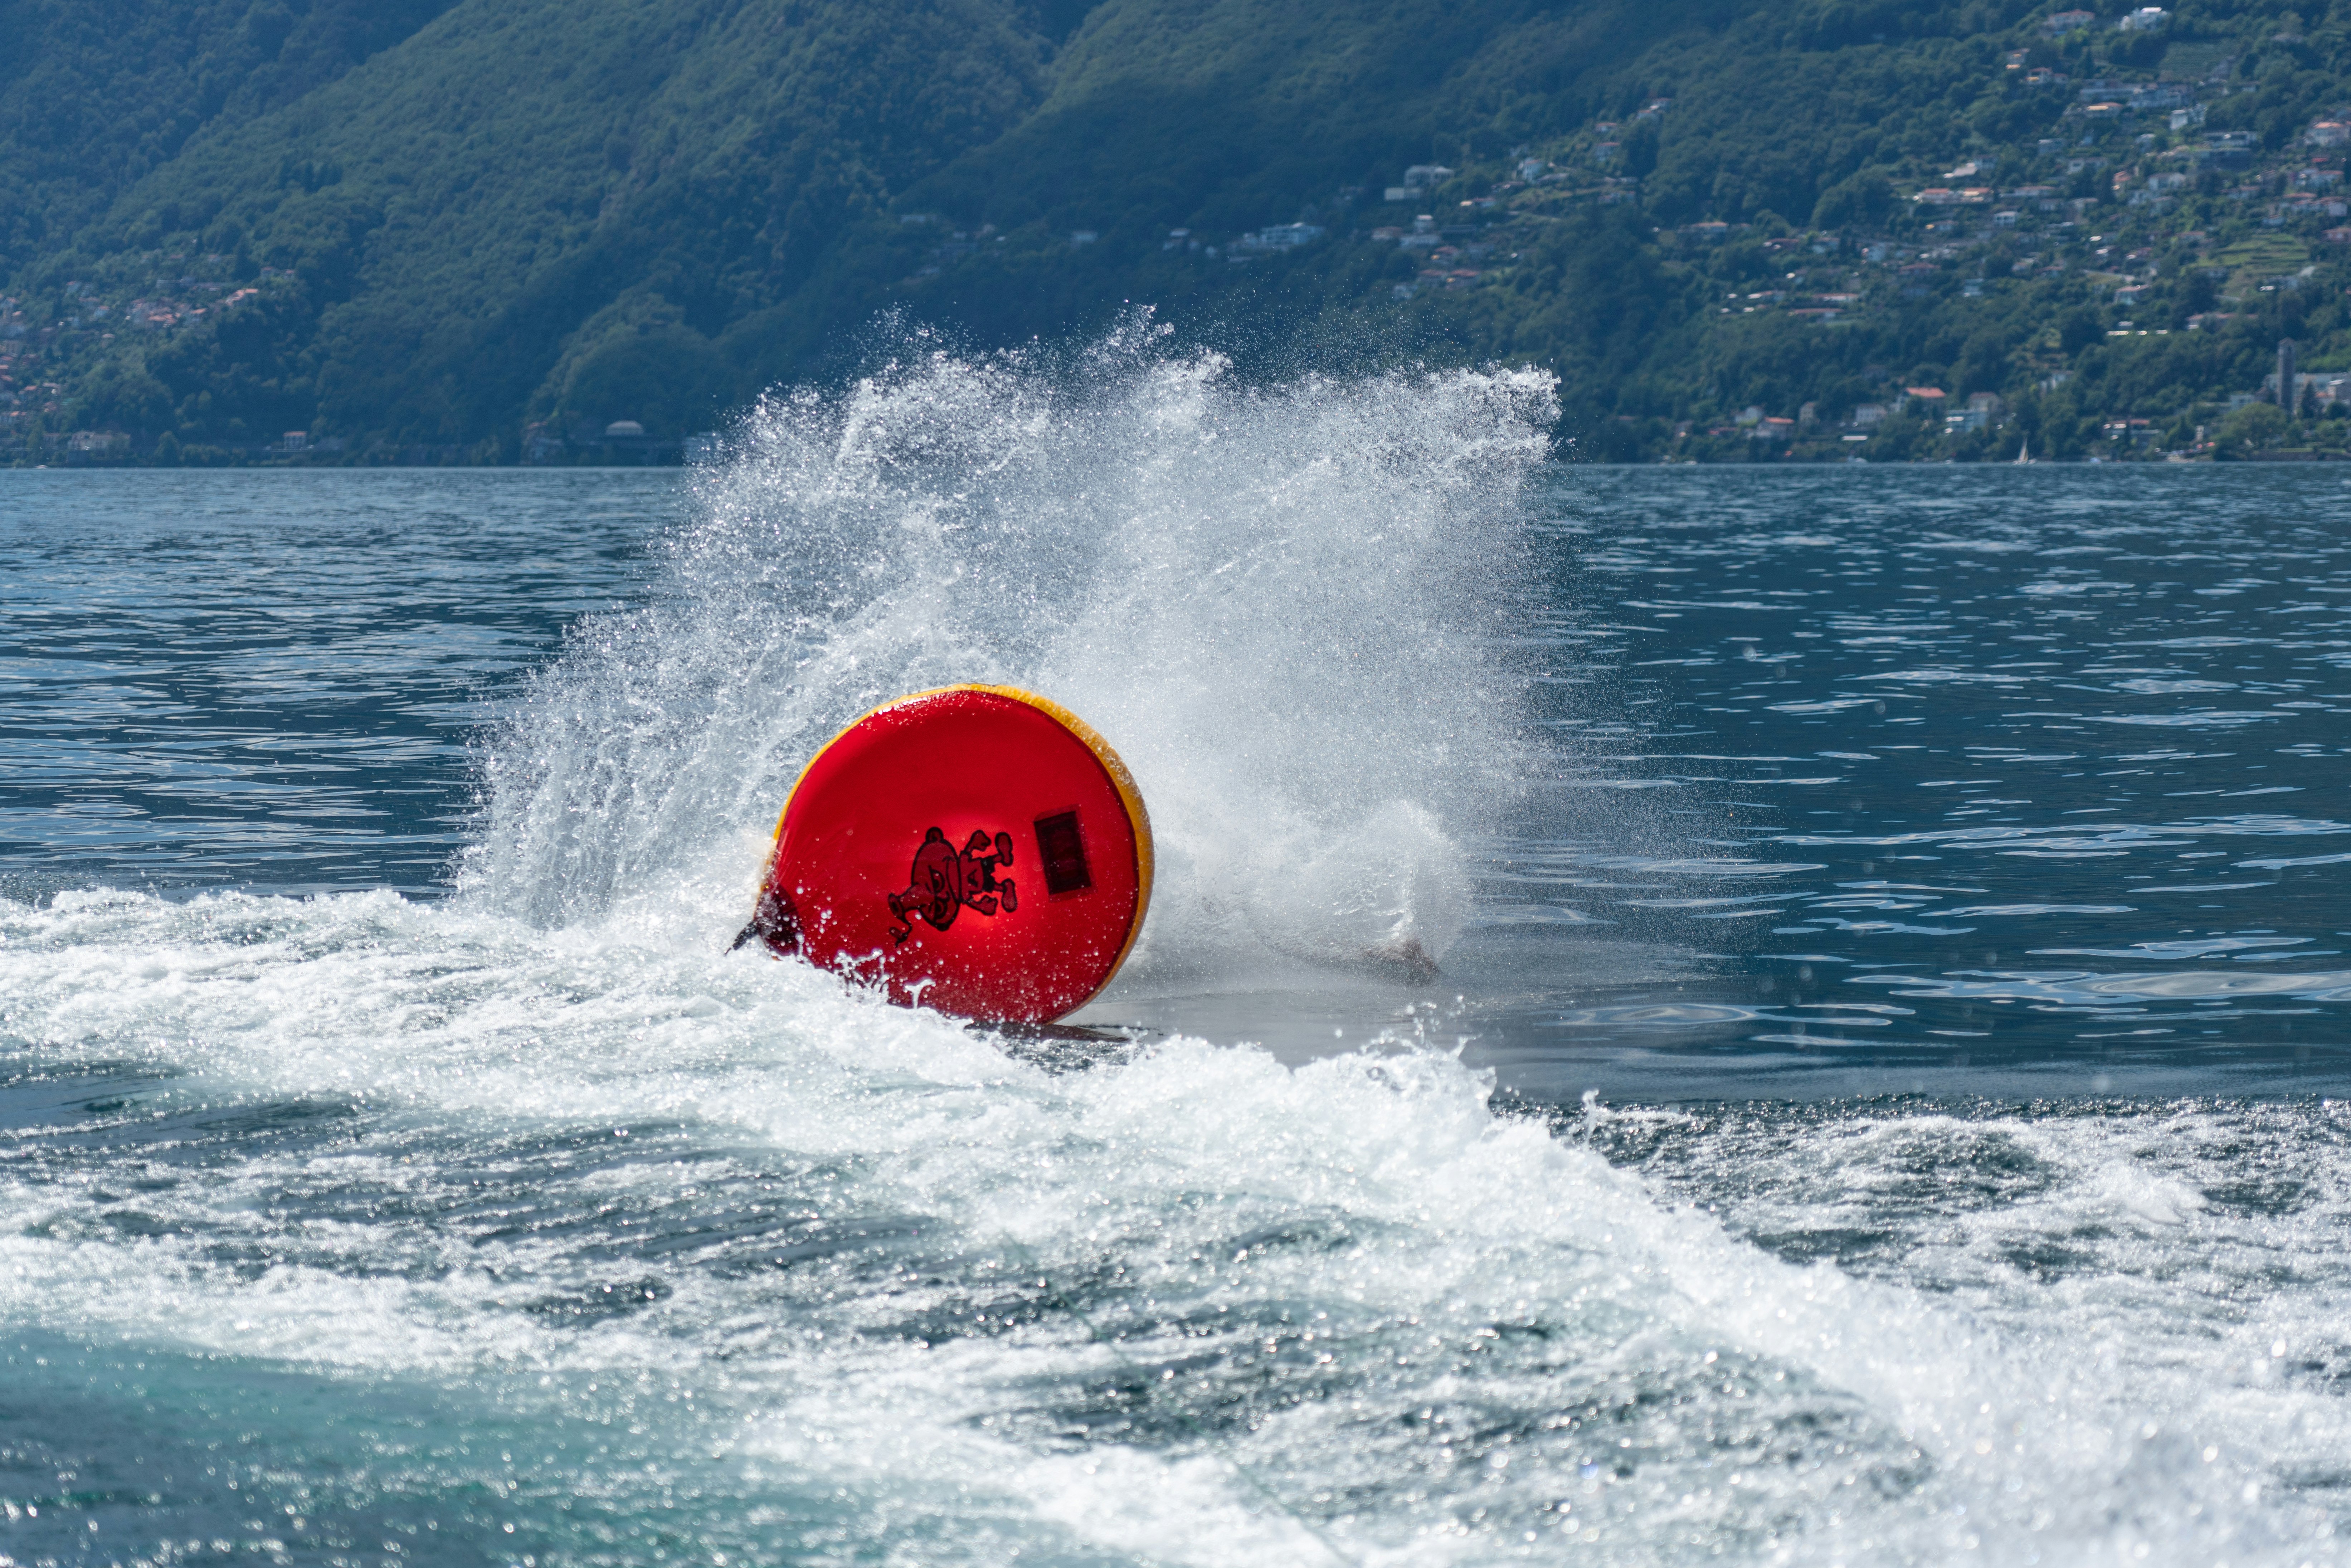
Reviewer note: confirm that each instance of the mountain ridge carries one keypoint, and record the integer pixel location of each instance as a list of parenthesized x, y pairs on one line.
[(489, 232)]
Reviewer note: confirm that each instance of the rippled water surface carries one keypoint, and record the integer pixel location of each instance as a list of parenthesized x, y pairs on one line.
[(2010, 768), (268, 682), (1888, 1098)]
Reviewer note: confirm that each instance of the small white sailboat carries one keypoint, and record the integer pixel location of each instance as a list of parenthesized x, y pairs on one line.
[(2025, 450)]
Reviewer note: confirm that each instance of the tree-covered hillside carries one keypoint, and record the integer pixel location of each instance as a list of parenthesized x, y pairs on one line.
[(1738, 229), (96, 94)]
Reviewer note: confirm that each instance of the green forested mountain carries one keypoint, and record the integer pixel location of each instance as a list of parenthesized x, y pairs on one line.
[(452, 229), (94, 98)]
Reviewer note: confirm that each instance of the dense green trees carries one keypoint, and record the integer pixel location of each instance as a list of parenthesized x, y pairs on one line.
[(457, 219), (95, 95)]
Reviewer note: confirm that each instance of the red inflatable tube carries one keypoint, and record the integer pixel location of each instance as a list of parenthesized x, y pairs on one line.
[(979, 850)]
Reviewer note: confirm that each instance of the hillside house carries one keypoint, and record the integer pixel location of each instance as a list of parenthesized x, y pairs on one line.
[(2322, 388), (1282, 236)]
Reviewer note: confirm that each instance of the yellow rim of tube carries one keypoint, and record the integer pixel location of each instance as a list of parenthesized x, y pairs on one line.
[(1137, 818)]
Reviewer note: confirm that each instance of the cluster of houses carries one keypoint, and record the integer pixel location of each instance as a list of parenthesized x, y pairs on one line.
[(21, 400), (2145, 19), (1419, 178), (2301, 393), (82, 313), (1277, 237), (1979, 411), (2152, 176), (2145, 175), (1450, 253), (86, 313), (170, 303), (2155, 168)]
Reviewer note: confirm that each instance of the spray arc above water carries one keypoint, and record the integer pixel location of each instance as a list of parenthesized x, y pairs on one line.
[(1277, 602)]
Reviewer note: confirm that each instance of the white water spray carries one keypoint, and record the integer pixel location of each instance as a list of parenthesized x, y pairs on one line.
[(1277, 602), (612, 1248)]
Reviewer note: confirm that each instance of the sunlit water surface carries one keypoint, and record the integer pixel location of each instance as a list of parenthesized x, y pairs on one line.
[(1887, 1099)]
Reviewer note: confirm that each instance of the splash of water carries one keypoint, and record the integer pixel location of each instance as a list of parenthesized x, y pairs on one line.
[(671, 1249), (539, 1240), (1277, 602)]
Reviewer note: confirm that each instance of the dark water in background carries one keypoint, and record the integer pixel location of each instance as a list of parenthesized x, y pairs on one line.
[(268, 680), (1942, 876), (1976, 768)]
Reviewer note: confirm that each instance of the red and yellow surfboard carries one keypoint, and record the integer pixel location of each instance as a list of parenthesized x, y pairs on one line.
[(979, 850)]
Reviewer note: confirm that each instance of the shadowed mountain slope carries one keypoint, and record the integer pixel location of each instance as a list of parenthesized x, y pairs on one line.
[(94, 94), (450, 227)]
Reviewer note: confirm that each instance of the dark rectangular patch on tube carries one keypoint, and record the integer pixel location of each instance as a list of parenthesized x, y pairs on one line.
[(1063, 854)]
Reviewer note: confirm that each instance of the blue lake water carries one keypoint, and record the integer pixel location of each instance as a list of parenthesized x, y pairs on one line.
[(1886, 1099)]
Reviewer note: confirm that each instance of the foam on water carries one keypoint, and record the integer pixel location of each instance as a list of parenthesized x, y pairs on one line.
[(530, 1226), (832, 1264)]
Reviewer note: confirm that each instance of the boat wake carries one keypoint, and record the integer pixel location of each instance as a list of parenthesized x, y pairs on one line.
[(532, 1227)]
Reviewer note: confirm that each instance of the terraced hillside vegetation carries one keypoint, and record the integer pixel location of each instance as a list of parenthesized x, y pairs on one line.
[(254, 230)]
